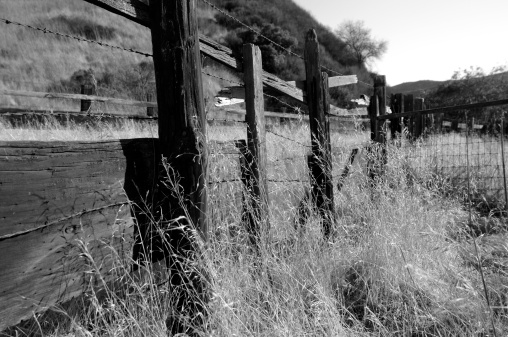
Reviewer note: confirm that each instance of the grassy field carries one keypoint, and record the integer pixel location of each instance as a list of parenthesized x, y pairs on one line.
[(401, 261)]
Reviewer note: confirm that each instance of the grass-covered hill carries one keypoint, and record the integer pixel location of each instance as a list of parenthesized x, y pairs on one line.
[(32, 60), (417, 88)]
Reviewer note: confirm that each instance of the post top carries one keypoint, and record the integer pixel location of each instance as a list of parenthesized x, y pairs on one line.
[(311, 35), (380, 80)]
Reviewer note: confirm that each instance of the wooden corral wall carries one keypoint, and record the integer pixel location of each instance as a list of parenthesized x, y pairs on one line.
[(58, 200)]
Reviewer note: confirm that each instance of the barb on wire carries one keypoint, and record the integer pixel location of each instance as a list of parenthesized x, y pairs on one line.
[(287, 181), (222, 78), (225, 120), (45, 30), (224, 181), (297, 109), (288, 158), (294, 141)]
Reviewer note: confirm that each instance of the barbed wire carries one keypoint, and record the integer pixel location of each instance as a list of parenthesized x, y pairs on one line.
[(294, 141), (222, 78), (224, 181), (288, 158), (287, 181), (268, 39), (225, 120), (48, 31), (250, 28), (295, 108)]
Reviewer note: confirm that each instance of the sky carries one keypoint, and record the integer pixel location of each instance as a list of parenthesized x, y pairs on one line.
[(429, 39)]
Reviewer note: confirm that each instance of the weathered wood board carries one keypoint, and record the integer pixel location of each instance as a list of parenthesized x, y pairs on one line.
[(58, 200)]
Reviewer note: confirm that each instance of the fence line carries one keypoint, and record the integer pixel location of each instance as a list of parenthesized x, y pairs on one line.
[(81, 39), (133, 166), (437, 150)]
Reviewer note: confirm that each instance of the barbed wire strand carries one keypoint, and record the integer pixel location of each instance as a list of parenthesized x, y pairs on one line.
[(48, 31), (294, 141), (225, 120), (268, 39), (295, 108), (222, 78), (250, 28)]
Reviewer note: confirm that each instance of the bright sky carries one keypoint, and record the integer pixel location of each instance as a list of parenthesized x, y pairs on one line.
[(427, 40)]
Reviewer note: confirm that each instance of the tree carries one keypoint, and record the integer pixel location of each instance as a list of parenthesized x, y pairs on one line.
[(359, 41)]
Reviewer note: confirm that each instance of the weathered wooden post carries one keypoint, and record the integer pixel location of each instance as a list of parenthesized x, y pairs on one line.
[(377, 108), (88, 87), (373, 111), (150, 111), (418, 106), (320, 163), (410, 121), (380, 93), (85, 103), (182, 130), (397, 106), (254, 154)]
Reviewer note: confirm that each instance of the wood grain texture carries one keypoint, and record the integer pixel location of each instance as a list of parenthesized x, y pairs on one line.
[(57, 201), (320, 164), (256, 144)]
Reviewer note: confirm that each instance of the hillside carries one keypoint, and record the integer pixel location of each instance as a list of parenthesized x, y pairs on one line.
[(416, 88), (32, 60)]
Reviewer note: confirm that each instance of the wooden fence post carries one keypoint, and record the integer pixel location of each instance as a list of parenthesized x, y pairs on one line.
[(255, 154), (86, 89), (418, 106), (377, 107), (150, 111), (380, 92), (397, 106), (408, 107), (373, 111), (182, 132), (316, 86)]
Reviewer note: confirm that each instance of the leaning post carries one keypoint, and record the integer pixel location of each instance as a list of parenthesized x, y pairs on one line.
[(256, 184), (320, 162), (182, 130)]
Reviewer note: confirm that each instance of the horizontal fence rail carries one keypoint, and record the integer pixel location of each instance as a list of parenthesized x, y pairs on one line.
[(77, 97)]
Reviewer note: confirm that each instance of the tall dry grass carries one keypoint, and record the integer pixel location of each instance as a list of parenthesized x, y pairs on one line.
[(394, 266)]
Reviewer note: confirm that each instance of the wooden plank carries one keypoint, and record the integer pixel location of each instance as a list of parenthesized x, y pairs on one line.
[(256, 143), (138, 12), (336, 81), (320, 163), (54, 196), (77, 97)]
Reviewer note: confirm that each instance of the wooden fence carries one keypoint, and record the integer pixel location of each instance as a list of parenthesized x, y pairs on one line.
[(61, 199)]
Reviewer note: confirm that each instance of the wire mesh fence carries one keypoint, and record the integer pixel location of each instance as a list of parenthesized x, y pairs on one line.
[(463, 150)]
